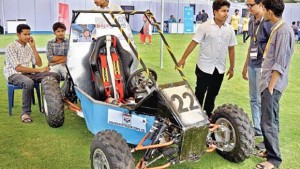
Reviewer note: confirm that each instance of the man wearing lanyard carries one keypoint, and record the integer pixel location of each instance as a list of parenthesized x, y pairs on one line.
[(259, 31), (274, 79)]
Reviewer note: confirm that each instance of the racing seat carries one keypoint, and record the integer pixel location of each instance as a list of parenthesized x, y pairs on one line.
[(110, 65)]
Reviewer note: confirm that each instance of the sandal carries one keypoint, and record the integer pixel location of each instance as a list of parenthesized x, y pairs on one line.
[(263, 166), (261, 154), (25, 118)]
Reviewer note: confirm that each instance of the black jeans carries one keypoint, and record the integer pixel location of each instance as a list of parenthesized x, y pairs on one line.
[(270, 125), (210, 85)]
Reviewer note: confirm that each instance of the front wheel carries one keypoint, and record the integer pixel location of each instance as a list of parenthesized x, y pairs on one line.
[(235, 136), (110, 151), (53, 105)]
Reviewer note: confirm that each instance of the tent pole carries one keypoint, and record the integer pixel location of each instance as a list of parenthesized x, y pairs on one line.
[(162, 28), (177, 16), (3, 17)]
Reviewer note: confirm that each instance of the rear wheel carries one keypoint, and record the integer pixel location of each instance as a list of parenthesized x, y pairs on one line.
[(53, 105), (110, 151), (235, 136)]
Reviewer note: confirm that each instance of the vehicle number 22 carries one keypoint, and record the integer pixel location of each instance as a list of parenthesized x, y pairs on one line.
[(186, 98)]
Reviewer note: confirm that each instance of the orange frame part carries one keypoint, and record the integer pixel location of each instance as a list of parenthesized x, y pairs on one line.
[(141, 147), (73, 107)]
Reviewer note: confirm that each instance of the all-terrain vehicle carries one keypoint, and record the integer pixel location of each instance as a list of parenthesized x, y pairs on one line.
[(124, 105)]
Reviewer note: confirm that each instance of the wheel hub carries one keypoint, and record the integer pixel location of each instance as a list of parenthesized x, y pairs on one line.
[(45, 106), (225, 136), (100, 160)]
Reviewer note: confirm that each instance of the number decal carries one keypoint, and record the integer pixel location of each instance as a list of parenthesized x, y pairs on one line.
[(192, 107), (180, 108)]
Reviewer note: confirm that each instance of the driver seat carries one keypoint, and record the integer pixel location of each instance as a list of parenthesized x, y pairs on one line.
[(110, 65)]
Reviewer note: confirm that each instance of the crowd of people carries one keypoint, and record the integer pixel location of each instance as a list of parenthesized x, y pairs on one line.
[(266, 66)]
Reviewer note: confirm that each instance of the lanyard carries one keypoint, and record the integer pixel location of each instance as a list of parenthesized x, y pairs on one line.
[(269, 41), (256, 32)]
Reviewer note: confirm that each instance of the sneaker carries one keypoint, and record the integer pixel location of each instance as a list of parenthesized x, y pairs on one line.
[(260, 146)]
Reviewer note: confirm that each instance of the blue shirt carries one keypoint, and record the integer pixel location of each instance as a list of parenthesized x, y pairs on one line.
[(262, 39), (172, 20)]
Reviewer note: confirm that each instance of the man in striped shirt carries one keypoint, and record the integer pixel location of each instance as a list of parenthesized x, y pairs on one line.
[(274, 79), (57, 50), (19, 54)]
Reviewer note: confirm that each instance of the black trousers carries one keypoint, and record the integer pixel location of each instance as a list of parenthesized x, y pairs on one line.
[(236, 32), (208, 85), (245, 36)]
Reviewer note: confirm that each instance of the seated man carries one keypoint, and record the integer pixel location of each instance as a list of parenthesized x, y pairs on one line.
[(57, 50), (172, 19), (19, 54)]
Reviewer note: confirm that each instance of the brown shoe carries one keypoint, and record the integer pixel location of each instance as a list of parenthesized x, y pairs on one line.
[(25, 118)]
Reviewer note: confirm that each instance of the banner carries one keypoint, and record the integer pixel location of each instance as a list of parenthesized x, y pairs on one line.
[(63, 15), (188, 19)]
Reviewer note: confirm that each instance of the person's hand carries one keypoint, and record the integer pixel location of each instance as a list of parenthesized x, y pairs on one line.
[(244, 73), (271, 90), (230, 73), (51, 64), (31, 42), (44, 69), (181, 63)]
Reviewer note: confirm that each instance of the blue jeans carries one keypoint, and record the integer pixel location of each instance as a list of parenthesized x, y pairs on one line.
[(254, 75), (270, 125)]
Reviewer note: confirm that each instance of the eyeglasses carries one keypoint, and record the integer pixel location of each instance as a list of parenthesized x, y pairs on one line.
[(250, 5)]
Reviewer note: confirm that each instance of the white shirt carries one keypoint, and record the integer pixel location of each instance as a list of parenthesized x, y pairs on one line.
[(16, 54), (110, 7), (214, 42)]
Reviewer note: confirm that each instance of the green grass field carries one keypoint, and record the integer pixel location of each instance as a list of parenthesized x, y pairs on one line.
[(37, 146)]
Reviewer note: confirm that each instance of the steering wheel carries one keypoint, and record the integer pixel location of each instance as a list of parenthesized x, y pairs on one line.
[(138, 82)]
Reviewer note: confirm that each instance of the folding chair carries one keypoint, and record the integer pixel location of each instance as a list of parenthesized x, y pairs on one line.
[(11, 91)]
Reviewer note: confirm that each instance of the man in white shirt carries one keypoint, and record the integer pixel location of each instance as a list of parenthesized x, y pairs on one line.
[(103, 5), (215, 38)]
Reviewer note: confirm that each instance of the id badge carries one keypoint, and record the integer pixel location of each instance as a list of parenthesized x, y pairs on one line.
[(253, 52)]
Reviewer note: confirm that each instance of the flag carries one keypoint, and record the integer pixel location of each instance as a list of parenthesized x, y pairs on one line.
[(63, 15)]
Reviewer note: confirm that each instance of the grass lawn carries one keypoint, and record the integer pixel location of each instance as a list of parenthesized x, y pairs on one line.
[(39, 146)]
